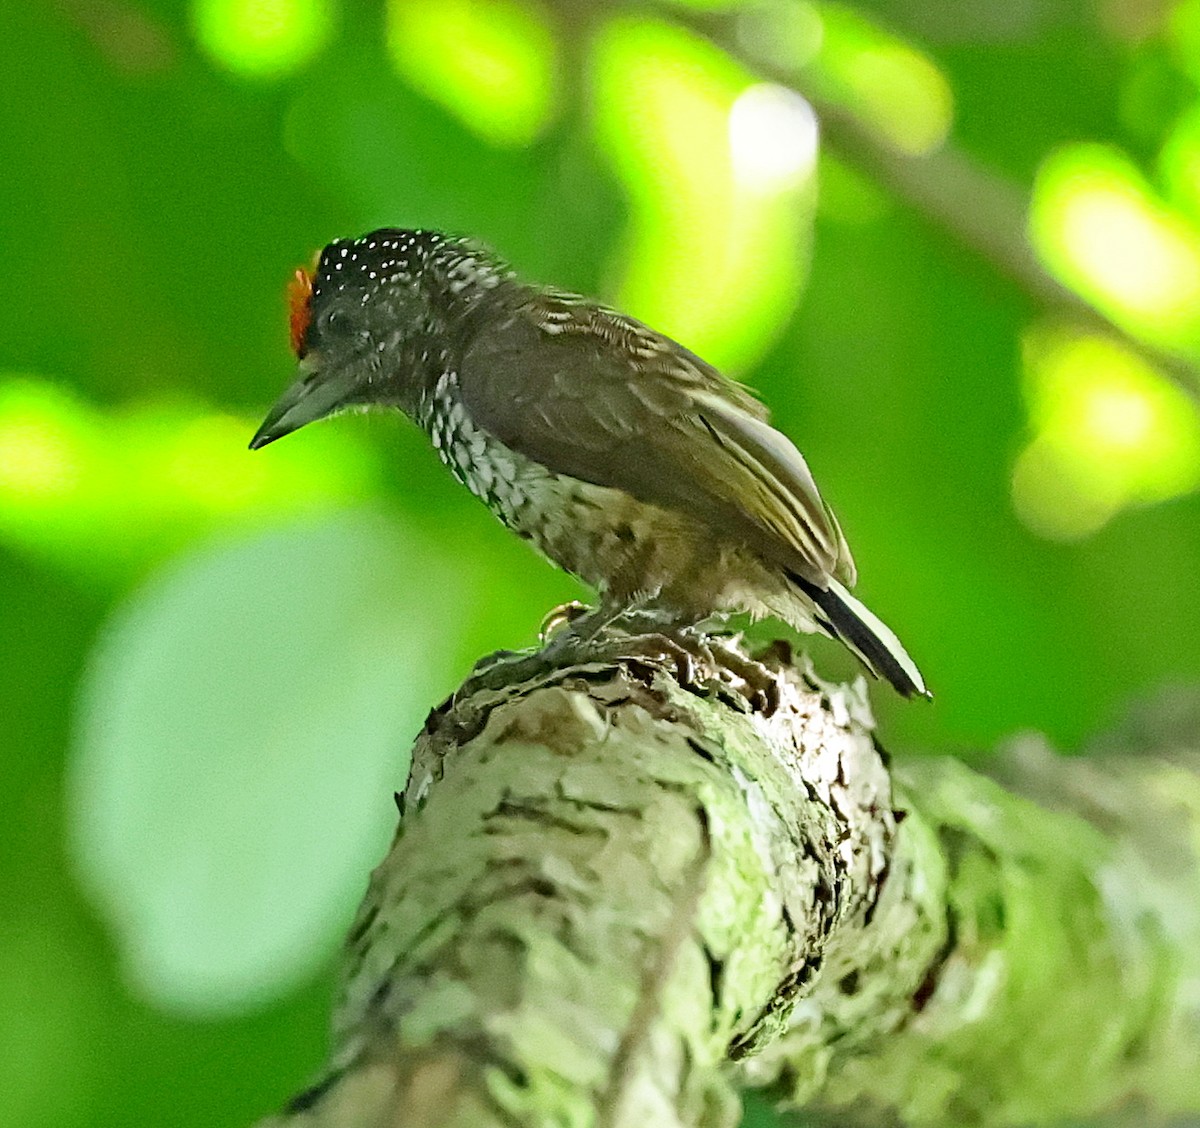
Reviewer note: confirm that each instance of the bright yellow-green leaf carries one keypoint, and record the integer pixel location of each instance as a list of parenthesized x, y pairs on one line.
[(1109, 431), (243, 724), (1179, 161), (104, 493), (492, 63), (262, 38), (1102, 230), (890, 85), (718, 170)]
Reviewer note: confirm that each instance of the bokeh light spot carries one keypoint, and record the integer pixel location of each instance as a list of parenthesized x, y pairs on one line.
[(719, 230), (772, 137), (786, 35), (1118, 418), (1099, 227), (1056, 497), (492, 63), (103, 493), (891, 86), (262, 38), (37, 455), (1110, 431), (1121, 247), (206, 466)]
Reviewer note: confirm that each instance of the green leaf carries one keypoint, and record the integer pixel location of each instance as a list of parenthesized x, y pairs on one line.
[(244, 722)]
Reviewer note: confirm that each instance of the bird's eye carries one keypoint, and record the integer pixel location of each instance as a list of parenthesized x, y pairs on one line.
[(334, 324)]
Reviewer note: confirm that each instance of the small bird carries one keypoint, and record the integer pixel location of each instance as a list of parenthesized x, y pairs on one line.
[(622, 456)]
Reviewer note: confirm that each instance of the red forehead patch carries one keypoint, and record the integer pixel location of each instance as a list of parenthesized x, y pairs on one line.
[(299, 291)]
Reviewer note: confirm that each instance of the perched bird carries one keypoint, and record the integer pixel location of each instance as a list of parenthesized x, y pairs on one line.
[(622, 456)]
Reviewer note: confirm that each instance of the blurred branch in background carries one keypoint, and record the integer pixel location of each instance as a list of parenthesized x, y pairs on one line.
[(980, 209), (614, 898), (1093, 243)]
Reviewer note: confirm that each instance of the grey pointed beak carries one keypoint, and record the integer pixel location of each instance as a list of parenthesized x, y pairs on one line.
[(313, 396)]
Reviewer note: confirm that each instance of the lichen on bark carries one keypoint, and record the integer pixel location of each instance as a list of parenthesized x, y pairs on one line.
[(618, 895)]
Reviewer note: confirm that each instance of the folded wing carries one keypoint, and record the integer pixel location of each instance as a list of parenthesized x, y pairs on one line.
[(600, 397)]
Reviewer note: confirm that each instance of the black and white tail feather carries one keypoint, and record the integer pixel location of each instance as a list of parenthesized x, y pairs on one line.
[(871, 640)]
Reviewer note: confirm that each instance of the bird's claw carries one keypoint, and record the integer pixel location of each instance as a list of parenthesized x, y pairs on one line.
[(561, 617), (697, 655), (760, 686), (671, 647)]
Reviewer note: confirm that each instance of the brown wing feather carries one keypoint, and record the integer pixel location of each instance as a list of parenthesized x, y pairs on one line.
[(601, 397)]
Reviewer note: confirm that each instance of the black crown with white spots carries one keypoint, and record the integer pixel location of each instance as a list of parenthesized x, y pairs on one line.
[(394, 293), (393, 257)]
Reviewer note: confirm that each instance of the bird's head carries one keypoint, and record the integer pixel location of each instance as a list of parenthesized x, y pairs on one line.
[(374, 319)]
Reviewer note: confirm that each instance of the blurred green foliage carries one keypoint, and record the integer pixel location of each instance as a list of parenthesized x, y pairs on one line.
[(213, 660)]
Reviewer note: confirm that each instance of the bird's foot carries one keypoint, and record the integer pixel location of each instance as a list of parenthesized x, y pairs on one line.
[(684, 654), (699, 658), (760, 685), (575, 633)]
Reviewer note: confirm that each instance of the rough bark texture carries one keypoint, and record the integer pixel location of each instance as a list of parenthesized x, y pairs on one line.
[(615, 899)]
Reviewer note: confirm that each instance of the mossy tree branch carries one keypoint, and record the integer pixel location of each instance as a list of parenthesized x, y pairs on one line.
[(616, 899)]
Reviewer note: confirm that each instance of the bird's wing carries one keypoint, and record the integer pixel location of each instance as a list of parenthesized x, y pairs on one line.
[(595, 395)]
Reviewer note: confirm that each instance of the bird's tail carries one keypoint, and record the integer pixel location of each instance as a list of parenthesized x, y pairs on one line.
[(872, 640)]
